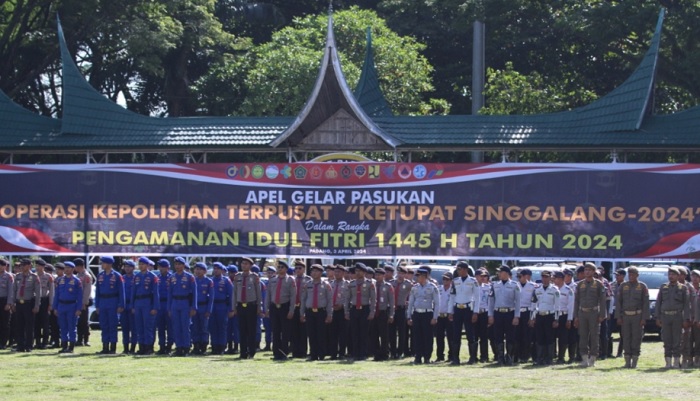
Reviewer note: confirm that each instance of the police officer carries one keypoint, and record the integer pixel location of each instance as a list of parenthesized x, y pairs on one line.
[(68, 300), (281, 291), (695, 278), (87, 281), (464, 298), (384, 314), (398, 339), (26, 296), (182, 304), (109, 303), (316, 312), (205, 306), (544, 317), (422, 314), (6, 285), (524, 334), (444, 327), (299, 334), (484, 332), (338, 329), (589, 313), (270, 272), (223, 308), (360, 307), (632, 309), (233, 332), (566, 333), (673, 304), (41, 326), (504, 314), (126, 319), (686, 347), (164, 323), (145, 304), (54, 332), (620, 275), (248, 298)]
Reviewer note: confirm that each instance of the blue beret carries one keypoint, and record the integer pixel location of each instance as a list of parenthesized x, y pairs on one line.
[(218, 265), (130, 262), (68, 263), (255, 269), (107, 259), (232, 269), (180, 259), (151, 263), (200, 265), (164, 263), (144, 260), (290, 270)]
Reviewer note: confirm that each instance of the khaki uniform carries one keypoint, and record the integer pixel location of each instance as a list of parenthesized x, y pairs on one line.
[(673, 304), (589, 309), (632, 306)]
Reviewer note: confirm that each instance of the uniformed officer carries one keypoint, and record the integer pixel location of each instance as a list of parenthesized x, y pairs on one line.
[(205, 306), (360, 307), (444, 327), (109, 303), (464, 298), (686, 347), (524, 334), (339, 326), (299, 334), (544, 317), (41, 326), (182, 306), (504, 314), (270, 272), (233, 332), (589, 313), (263, 288), (566, 333), (673, 306), (281, 291), (422, 314), (126, 319), (145, 304), (54, 332), (164, 322), (620, 275), (316, 312), (248, 300), (632, 309), (484, 332), (398, 339), (68, 300), (26, 297), (87, 282), (223, 308), (695, 279), (6, 285), (383, 315)]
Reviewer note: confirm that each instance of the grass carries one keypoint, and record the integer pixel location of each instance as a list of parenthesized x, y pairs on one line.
[(44, 375)]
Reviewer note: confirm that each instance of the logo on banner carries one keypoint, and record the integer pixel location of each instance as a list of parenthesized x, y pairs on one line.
[(373, 171), (346, 172), (258, 172), (316, 172), (420, 171), (389, 171), (300, 172), (245, 171), (272, 172), (331, 174), (404, 171), (232, 171), (286, 172), (360, 171)]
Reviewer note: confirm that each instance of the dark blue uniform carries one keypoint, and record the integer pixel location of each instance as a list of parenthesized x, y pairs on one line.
[(146, 298), (127, 317), (182, 299), (218, 321), (109, 297), (205, 305), (163, 321), (68, 297)]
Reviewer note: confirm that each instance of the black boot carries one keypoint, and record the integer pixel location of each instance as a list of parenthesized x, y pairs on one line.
[(64, 347), (132, 349), (500, 355), (537, 360), (619, 348), (472, 354), (229, 350), (105, 349), (126, 349), (550, 354), (560, 355), (235, 348), (86, 341), (112, 348), (509, 355), (71, 347), (484, 351)]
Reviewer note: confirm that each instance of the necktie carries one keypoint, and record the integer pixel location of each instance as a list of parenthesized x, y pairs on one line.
[(396, 295), (278, 291), (298, 290), (21, 287), (335, 292), (244, 290), (315, 303), (358, 299)]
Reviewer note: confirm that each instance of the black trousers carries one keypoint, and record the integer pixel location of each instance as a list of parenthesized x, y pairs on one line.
[(503, 328), (398, 333), (316, 327), (281, 329), (381, 336), (463, 323), (544, 332), (298, 336), (423, 335), (482, 335), (83, 326), (247, 320), (25, 325), (445, 329), (54, 329), (359, 331), (4, 323), (41, 326), (338, 334), (524, 338)]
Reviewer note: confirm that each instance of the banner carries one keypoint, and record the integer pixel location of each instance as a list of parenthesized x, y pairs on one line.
[(354, 210)]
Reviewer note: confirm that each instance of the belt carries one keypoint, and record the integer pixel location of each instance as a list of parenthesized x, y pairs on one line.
[(592, 309), (181, 297), (315, 310), (202, 303), (463, 306), (563, 313), (400, 306), (220, 301), (359, 307), (504, 310), (545, 313), (483, 310), (443, 315), (297, 305), (671, 312), (67, 302), (22, 301), (103, 296), (243, 304), (524, 310), (45, 298), (164, 300), (423, 310), (632, 312), (145, 296)]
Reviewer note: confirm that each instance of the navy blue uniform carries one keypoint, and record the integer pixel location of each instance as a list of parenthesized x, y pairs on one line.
[(163, 321), (218, 321), (205, 305), (127, 318), (68, 297), (145, 300), (109, 297), (182, 299)]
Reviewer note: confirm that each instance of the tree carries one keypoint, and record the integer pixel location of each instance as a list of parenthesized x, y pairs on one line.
[(283, 70)]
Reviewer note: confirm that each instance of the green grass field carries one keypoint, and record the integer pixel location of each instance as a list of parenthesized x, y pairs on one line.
[(44, 375)]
